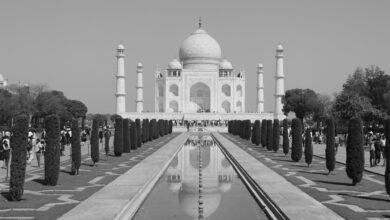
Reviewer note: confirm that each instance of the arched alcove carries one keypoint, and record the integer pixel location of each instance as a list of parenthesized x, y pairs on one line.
[(226, 106), (239, 91), (239, 106), (174, 90), (226, 90), (173, 106), (200, 97)]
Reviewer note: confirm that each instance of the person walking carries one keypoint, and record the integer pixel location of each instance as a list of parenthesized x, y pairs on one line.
[(5, 150), (383, 149), (336, 142), (63, 143), (39, 149), (370, 143), (377, 145)]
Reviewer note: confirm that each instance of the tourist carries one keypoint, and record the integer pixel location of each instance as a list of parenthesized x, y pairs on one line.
[(377, 146), (63, 143), (30, 147), (383, 149), (336, 142), (68, 136), (370, 143), (39, 149), (5, 150), (83, 137), (101, 135)]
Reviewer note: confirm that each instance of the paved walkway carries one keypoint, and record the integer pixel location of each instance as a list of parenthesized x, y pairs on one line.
[(319, 150), (121, 198), (50, 202), (289, 198), (367, 200)]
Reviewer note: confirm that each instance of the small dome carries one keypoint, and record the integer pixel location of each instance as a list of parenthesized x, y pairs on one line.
[(174, 64), (279, 47), (139, 65), (260, 65), (121, 47), (225, 65)]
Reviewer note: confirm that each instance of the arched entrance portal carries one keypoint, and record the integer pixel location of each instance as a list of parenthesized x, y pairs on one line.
[(200, 98)]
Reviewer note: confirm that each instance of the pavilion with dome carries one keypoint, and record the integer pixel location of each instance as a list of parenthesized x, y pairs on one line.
[(200, 85)]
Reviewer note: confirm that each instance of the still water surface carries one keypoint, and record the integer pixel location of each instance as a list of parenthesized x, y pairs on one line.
[(177, 195)]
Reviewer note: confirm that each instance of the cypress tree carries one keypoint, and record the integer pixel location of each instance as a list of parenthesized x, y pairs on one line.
[(52, 150), (139, 132), (126, 136), (144, 130), (253, 134), (269, 135), (308, 148), (387, 156), (133, 137), (355, 152), (276, 135), (76, 147), (147, 130), (119, 137), (95, 141), (296, 146), (151, 129), (170, 126), (263, 133), (107, 136), (18, 158), (160, 128), (256, 133), (286, 141), (330, 152), (157, 129)]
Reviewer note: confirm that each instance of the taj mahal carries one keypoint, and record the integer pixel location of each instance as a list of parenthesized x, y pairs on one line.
[(200, 85)]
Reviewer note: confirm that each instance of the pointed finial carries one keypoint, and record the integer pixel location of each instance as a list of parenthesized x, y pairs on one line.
[(200, 22)]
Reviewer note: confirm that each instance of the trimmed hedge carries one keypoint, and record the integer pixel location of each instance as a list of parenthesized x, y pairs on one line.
[(139, 132), (355, 152), (387, 156), (126, 136), (286, 141), (76, 147), (18, 158), (107, 136), (95, 141), (133, 137), (52, 150), (257, 132), (296, 146), (330, 152), (170, 126), (118, 137), (264, 132), (147, 130), (308, 148), (269, 135), (276, 135)]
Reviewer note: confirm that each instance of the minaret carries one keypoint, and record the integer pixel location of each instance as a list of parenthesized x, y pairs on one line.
[(260, 89), (120, 81), (279, 83), (140, 89)]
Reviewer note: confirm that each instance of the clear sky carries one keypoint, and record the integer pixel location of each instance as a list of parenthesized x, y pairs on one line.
[(71, 44)]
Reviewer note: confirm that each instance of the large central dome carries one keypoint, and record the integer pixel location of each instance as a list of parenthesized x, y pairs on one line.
[(200, 51)]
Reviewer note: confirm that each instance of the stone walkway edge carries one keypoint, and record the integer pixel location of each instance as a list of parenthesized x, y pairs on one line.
[(295, 203), (121, 198)]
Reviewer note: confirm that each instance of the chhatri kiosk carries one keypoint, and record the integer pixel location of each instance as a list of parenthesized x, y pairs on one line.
[(200, 85)]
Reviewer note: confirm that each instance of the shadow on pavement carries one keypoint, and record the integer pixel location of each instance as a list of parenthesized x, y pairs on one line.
[(334, 183)]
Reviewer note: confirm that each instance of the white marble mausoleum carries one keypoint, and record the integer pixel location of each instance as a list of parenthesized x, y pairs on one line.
[(200, 85)]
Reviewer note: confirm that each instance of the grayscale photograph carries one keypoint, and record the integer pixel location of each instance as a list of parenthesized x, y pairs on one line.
[(194, 110)]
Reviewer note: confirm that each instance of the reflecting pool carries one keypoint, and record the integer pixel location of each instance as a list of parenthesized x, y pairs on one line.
[(200, 183)]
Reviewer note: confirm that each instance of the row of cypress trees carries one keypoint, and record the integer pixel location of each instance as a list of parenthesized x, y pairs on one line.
[(266, 133), (130, 135), (263, 132)]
